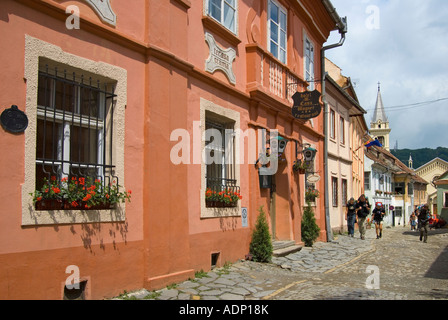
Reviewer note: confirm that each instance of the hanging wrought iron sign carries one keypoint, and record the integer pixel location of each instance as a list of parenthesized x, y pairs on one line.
[(14, 120), (306, 105)]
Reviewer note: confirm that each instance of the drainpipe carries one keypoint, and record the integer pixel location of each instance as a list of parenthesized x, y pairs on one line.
[(341, 24)]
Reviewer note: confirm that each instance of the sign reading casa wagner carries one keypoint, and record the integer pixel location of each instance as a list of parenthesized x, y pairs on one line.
[(306, 105)]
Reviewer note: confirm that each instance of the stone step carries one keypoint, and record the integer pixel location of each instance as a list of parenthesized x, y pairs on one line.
[(282, 244), (284, 248)]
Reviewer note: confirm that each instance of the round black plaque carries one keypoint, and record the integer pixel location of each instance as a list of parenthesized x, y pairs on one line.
[(14, 120)]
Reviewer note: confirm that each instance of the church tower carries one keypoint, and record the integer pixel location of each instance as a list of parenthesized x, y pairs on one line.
[(379, 127)]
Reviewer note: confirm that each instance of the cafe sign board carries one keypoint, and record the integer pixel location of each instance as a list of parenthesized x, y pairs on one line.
[(306, 105)]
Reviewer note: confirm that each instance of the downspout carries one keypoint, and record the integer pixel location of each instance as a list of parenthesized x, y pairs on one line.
[(341, 23)]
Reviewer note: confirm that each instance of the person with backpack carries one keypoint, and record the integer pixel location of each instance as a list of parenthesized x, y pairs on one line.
[(423, 221), (350, 216), (378, 215), (363, 210)]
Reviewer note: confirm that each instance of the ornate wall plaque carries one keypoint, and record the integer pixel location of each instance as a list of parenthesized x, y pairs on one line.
[(104, 10), (14, 120), (220, 59), (306, 105)]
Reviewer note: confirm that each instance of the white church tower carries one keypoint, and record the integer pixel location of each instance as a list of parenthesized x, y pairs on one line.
[(379, 127)]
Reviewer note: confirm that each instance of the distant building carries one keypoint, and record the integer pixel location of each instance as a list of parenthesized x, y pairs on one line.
[(430, 172), (388, 180), (442, 195), (347, 129)]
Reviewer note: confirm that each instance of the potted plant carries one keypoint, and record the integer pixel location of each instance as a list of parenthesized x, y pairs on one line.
[(300, 166), (221, 199), (78, 194), (311, 195)]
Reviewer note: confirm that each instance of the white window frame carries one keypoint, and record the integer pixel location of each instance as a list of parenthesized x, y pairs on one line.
[(221, 20), (280, 31), (36, 49), (308, 61), (332, 121), (342, 130), (335, 191), (226, 115)]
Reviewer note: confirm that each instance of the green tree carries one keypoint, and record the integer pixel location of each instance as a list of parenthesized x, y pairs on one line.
[(310, 229), (261, 245)]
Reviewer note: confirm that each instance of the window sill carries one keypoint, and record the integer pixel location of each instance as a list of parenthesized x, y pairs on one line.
[(60, 216), (217, 28)]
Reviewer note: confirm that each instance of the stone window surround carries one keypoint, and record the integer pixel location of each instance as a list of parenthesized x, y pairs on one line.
[(36, 49), (225, 114)]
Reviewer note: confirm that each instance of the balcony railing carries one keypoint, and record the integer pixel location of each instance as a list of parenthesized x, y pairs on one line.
[(268, 74)]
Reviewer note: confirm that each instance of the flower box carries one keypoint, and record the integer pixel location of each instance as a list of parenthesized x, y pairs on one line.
[(48, 205), (78, 194), (56, 204), (222, 199), (219, 204)]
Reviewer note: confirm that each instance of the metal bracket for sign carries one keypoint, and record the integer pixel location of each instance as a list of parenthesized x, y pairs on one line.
[(301, 84)]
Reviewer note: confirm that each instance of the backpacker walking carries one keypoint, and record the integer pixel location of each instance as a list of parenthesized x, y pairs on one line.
[(363, 210)]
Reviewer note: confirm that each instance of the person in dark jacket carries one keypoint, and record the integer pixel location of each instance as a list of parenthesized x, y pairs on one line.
[(362, 210), (423, 221), (378, 214), (350, 216)]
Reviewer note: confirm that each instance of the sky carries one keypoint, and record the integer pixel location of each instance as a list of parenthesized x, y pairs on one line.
[(403, 44)]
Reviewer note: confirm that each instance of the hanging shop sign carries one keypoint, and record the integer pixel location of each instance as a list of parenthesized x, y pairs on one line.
[(14, 120), (306, 105)]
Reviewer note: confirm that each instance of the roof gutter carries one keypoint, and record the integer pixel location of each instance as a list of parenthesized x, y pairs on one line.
[(341, 25)]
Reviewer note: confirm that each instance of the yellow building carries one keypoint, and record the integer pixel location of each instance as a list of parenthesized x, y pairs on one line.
[(429, 172)]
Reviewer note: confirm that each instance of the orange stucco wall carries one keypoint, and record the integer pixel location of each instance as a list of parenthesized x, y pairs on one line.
[(164, 239)]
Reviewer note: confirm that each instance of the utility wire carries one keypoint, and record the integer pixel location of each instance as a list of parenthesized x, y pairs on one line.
[(411, 106)]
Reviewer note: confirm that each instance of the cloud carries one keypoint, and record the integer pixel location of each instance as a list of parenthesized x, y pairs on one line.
[(407, 53)]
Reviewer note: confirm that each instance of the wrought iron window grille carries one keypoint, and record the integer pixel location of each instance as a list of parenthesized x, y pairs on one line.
[(75, 116)]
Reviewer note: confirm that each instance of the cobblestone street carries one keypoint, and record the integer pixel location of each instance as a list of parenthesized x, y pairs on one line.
[(396, 267)]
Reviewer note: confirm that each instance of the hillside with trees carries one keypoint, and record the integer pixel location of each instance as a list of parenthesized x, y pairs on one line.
[(420, 156)]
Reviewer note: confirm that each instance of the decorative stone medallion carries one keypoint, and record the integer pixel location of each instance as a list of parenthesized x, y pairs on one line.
[(220, 59), (104, 10)]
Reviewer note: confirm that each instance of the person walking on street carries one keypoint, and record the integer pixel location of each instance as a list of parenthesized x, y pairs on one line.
[(350, 216), (378, 215), (423, 220), (363, 210), (413, 221)]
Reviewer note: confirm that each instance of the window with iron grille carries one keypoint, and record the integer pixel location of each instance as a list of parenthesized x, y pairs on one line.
[(75, 115), (344, 192), (220, 158)]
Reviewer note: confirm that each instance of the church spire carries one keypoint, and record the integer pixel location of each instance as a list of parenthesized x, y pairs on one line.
[(380, 113), (379, 127)]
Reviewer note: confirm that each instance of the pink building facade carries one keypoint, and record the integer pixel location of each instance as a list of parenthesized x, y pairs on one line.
[(123, 93)]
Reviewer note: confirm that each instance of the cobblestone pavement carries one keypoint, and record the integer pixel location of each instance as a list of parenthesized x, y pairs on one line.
[(400, 268)]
